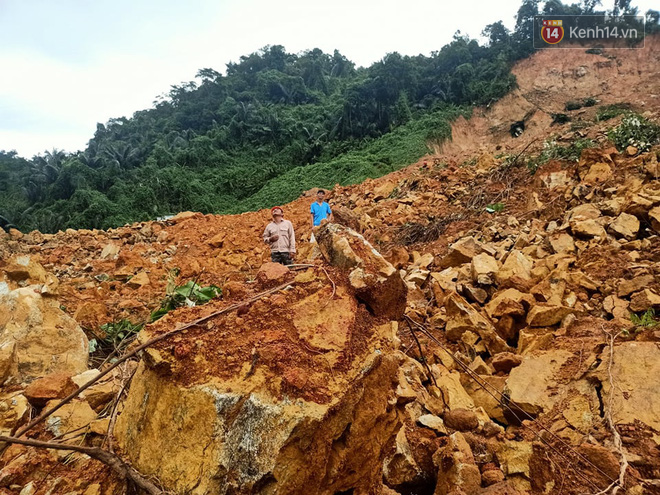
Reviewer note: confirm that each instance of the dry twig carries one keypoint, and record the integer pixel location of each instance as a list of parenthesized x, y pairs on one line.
[(118, 465), (616, 485)]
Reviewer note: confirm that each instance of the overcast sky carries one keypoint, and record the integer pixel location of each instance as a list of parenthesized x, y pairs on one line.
[(68, 64)]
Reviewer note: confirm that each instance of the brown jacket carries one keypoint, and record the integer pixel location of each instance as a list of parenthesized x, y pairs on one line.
[(287, 241)]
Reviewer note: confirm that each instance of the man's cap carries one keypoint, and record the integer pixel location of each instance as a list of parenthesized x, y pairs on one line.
[(276, 208)]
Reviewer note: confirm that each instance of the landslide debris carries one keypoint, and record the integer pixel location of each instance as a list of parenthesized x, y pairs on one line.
[(450, 336)]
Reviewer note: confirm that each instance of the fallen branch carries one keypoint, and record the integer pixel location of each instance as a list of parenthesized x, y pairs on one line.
[(135, 351), (334, 287), (616, 485), (119, 466)]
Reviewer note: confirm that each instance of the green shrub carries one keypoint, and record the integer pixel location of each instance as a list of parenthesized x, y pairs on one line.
[(590, 102), (117, 336), (497, 207), (554, 151), (189, 294), (560, 118), (607, 112), (572, 105), (646, 319), (636, 131)]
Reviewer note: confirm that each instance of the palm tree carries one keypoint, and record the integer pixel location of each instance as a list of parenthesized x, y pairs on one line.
[(121, 154)]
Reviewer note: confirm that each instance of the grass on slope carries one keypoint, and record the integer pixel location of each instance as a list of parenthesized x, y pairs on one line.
[(381, 156)]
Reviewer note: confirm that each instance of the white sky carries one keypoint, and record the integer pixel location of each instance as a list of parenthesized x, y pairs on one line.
[(68, 64)]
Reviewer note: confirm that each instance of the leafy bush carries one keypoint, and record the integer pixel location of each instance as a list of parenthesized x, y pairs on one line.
[(497, 207), (607, 112), (554, 151), (572, 105), (117, 335), (636, 131), (590, 102), (646, 319), (560, 118), (189, 294)]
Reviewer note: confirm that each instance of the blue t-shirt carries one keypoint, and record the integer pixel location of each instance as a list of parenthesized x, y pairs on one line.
[(320, 211)]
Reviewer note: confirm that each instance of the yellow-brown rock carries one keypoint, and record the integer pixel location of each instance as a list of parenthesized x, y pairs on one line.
[(242, 412), (46, 339), (376, 282)]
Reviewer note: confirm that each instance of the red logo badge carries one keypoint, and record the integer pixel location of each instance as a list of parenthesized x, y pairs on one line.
[(552, 32)]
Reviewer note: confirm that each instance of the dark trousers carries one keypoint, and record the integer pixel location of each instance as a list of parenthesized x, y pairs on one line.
[(281, 258)]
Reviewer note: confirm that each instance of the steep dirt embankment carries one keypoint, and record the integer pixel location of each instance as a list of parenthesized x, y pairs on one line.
[(491, 350), (546, 82)]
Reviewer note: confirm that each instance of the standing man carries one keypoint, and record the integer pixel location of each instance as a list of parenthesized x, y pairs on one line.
[(281, 238), (320, 209)]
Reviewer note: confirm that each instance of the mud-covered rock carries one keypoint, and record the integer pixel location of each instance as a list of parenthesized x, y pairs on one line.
[(635, 369), (53, 386), (271, 274), (545, 315), (506, 361), (461, 419), (626, 226), (627, 287), (461, 252), (461, 317), (401, 468), (532, 383), (484, 267), (23, 270), (644, 300), (311, 374), (14, 411), (376, 282), (73, 416), (516, 265)]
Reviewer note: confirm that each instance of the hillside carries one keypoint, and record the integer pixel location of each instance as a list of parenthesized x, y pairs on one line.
[(505, 342), (267, 128)]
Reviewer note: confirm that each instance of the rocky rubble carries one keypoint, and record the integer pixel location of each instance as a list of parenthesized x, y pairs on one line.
[(322, 387)]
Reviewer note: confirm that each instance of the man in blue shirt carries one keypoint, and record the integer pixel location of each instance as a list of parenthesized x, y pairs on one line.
[(320, 209)]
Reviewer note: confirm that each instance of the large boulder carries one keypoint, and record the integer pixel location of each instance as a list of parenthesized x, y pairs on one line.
[(635, 368), (42, 337), (376, 282), (533, 384), (295, 395)]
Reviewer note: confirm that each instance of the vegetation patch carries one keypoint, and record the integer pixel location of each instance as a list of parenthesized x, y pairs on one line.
[(646, 319), (189, 294), (636, 131), (607, 112), (554, 151)]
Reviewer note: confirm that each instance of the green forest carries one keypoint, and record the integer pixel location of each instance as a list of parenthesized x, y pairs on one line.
[(273, 125)]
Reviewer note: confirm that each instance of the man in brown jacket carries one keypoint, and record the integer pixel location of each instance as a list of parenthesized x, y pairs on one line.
[(281, 238)]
